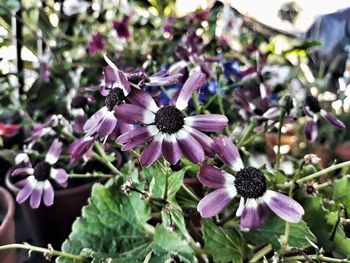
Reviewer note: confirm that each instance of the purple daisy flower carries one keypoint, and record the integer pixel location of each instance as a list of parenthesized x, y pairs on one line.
[(97, 43), (80, 147), (169, 131), (37, 186), (250, 184), (122, 27), (313, 109)]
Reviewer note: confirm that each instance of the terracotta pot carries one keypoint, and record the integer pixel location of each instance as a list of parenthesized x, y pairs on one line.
[(7, 227), (52, 225)]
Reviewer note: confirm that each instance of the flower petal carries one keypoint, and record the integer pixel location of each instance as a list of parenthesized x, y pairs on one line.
[(153, 150), (60, 176), (193, 83), (131, 113), (18, 171), (35, 197), (213, 203), (80, 147), (120, 80), (143, 99), (107, 125), (92, 123), (190, 147), (284, 206), (170, 149), (207, 122), (164, 80), (333, 120), (54, 152), (311, 131), (214, 177), (229, 153), (125, 127), (208, 144), (48, 193), (144, 131), (254, 214), (272, 113), (27, 189)]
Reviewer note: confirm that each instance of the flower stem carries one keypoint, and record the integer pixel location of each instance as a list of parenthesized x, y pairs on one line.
[(281, 121), (103, 158), (46, 251), (245, 134), (262, 252), (89, 175), (317, 257)]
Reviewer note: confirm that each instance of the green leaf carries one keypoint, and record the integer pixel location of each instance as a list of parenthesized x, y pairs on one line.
[(341, 193), (157, 185), (223, 244), (172, 217), (111, 224), (167, 244), (274, 228)]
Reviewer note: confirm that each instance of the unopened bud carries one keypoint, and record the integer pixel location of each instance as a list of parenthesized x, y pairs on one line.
[(311, 159)]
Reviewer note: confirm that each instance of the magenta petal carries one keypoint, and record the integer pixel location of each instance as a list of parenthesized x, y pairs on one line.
[(143, 99), (170, 149), (214, 177), (284, 206), (229, 153), (60, 176), (48, 193), (193, 83), (107, 125), (152, 152), (26, 191), (333, 120), (190, 147), (207, 122), (311, 131), (54, 152), (35, 197), (253, 215), (208, 144), (130, 113), (213, 203)]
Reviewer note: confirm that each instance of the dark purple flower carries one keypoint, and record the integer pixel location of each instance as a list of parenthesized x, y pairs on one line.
[(313, 109), (122, 27), (97, 43), (37, 186), (250, 184), (44, 70), (167, 129), (168, 25), (80, 147)]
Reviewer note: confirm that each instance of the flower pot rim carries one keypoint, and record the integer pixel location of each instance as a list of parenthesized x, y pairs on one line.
[(10, 210), (58, 192)]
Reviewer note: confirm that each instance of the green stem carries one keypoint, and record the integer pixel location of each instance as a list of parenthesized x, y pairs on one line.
[(44, 251), (245, 134), (107, 163), (89, 175), (220, 103), (317, 257), (281, 121), (196, 102), (261, 253), (190, 193), (167, 175)]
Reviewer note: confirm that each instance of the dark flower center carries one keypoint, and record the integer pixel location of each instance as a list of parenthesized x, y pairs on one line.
[(169, 119), (139, 78), (115, 97), (78, 102), (250, 183), (313, 104), (42, 171)]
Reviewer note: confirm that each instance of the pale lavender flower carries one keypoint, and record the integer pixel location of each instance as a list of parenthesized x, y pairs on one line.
[(80, 148), (37, 186), (167, 129), (250, 184)]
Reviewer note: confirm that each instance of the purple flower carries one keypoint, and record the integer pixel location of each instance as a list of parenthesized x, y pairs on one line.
[(169, 131), (80, 147), (168, 25), (117, 88), (313, 109), (122, 27), (37, 186), (250, 184), (97, 43), (44, 70), (41, 129)]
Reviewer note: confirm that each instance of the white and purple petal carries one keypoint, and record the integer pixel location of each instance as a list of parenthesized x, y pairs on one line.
[(164, 80), (28, 186), (92, 124), (215, 178), (36, 195), (107, 125), (284, 206), (152, 151), (311, 130), (208, 144), (254, 214), (193, 83), (80, 147), (54, 152), (22, 170), (49, 194), (207, 122), (170, 149), (213, 203), (130, 113), (121, 81), (332, 120), (229, 153), (190, 147), (143, 99), (60, 176)]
